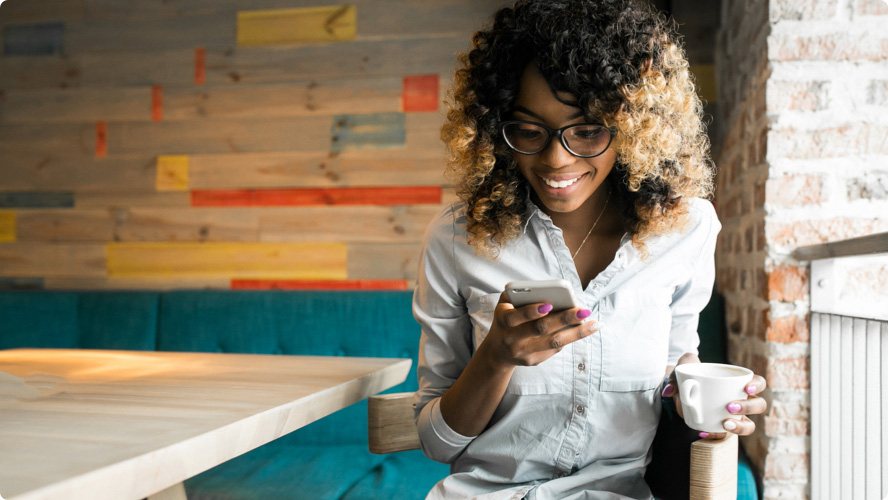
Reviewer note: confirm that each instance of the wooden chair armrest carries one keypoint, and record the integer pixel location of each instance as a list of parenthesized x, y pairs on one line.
[(714, 469), (390, 423)]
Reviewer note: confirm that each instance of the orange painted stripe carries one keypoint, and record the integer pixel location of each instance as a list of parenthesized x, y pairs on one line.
[(101, 139), (420, 93), (412, 195), (244, 284), (200, 66), (157, 103)]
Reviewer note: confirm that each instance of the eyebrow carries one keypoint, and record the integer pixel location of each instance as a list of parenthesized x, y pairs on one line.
[(522, 109)]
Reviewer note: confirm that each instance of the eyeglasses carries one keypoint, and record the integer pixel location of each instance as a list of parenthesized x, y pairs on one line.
[(585, 140)]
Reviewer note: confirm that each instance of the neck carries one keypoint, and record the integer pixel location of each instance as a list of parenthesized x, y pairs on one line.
[(581, 219)]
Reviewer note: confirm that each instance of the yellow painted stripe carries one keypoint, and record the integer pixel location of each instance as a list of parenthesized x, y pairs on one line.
[(7, 226), (291, 26), (707, 88), (172, 173), (307, 261)]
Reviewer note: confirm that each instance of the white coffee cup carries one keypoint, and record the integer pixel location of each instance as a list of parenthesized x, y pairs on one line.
[(706, 389)]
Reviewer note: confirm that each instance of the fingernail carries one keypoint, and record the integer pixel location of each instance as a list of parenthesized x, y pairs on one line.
[(734, 407), (545, 308), (583, 313), (730, 424), (704, 434), (668, 391), (750, 389)]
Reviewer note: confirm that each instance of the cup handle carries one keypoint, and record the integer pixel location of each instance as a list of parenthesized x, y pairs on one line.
[(690, 402)]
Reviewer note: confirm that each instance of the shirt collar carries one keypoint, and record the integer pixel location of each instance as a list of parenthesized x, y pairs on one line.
[(532, 210)]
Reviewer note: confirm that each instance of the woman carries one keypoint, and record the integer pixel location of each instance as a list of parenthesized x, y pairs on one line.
[(577, 147)]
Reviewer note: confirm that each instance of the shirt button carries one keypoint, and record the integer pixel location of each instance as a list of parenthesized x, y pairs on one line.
[(581, 409), (581, 367)]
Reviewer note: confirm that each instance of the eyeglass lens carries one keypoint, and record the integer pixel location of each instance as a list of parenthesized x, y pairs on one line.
[(582, 139)]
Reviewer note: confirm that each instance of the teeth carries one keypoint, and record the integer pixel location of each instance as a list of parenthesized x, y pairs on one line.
[(560, 184)]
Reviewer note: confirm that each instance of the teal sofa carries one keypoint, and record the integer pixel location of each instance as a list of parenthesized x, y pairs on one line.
[(324, 460)]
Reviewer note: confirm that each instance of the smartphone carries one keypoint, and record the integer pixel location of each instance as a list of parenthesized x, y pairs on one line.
[(556, 292)]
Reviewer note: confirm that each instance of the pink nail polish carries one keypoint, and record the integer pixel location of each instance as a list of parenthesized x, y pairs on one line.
[(750, 389), (704, 434), (545, 308), (734, 407), (668, 391), (583, 313)]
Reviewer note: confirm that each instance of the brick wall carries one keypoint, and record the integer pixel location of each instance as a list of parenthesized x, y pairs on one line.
[(802, 149)]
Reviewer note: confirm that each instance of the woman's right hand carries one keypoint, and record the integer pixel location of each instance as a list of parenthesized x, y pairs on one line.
[(531, 334)]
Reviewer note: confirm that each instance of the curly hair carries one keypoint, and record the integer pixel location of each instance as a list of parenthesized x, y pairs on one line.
[(624, 64)]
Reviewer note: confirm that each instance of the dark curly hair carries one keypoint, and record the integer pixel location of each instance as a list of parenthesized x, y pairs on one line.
[(623, 63)]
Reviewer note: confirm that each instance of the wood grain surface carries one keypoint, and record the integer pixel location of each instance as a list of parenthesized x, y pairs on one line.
[(124, 425)]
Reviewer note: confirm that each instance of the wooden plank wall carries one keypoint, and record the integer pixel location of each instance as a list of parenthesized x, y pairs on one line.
[(159, 144)]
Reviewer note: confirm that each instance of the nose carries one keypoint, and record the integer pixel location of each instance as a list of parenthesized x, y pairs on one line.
[(556, 155)]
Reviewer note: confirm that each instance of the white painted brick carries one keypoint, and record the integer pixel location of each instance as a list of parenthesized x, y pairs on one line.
[(877, 93), (843, 46), (870, 26), (774, 490), (829, 70), (790, 444), (873, 185), (849, 166), (777, 350), (870, 8), (802, 9)]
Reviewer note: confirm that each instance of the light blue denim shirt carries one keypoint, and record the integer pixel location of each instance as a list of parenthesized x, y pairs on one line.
[(580, 424)]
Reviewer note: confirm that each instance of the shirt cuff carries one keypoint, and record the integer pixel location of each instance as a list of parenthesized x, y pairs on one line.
[(443, 431)]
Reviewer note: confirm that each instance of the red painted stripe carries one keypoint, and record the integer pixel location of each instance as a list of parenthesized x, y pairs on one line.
[(157, 103), (200, 66), (412, 195), (319, 285), (101, 139), (420, 93)]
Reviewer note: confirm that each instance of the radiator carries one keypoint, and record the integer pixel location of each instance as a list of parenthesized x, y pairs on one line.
[(849, 407)]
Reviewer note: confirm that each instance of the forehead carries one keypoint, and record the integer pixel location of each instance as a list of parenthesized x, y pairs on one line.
[(535, 94)]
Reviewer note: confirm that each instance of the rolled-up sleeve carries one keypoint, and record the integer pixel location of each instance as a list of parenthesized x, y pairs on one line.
[(692, 296), (445, 345)]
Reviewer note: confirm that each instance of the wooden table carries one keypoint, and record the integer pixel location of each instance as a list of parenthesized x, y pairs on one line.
[(129, 425)]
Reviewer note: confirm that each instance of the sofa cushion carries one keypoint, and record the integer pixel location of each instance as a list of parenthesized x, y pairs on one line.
[(38, 319), (407, 475), (315, 472)]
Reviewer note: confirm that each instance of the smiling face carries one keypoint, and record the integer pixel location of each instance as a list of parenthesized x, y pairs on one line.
[(561, 182)]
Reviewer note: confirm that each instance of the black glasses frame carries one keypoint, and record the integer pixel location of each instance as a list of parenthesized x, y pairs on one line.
[(551, 132)]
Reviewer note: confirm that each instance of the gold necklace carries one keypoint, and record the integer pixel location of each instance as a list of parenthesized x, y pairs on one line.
[(593, 225)]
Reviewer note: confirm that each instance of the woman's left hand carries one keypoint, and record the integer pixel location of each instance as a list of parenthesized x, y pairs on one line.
[(753, 405)]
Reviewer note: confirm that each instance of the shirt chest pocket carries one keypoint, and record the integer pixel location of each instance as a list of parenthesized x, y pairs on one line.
[(635, 341), (544, 378)]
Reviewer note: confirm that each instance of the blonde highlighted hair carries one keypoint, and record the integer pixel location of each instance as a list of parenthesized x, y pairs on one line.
[(627, 70)]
